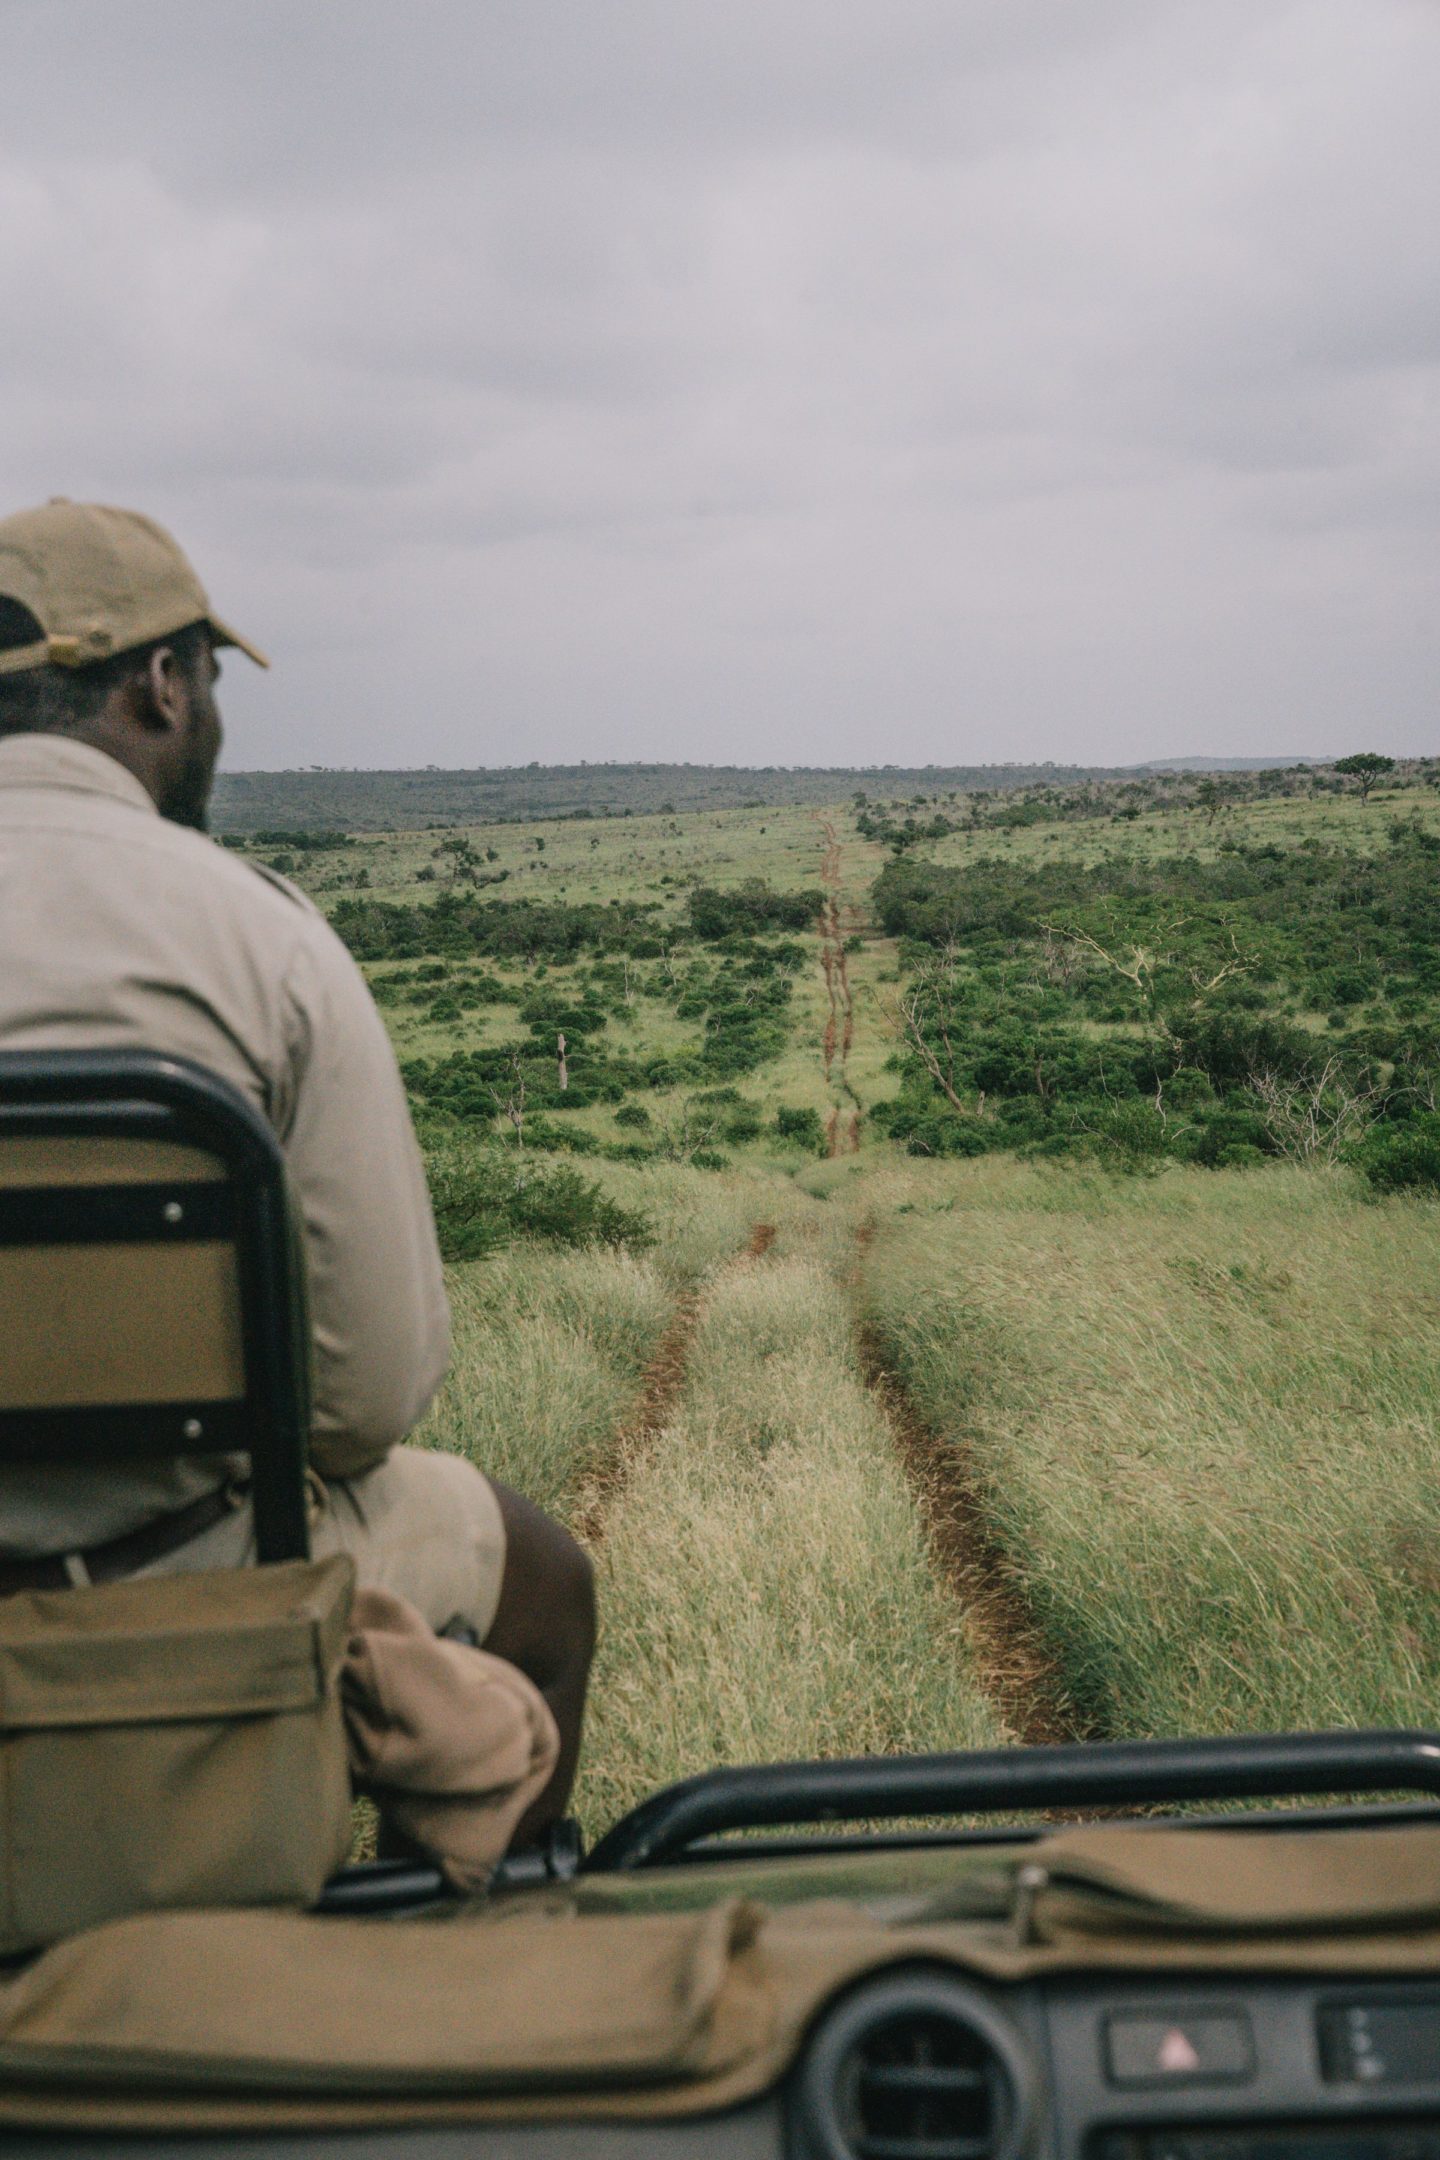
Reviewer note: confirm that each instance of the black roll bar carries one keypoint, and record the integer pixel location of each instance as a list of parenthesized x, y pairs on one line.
[(1113, 1774)]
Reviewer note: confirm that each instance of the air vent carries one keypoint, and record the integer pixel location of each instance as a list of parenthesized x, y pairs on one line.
[(914, 2065), (925, 2086)]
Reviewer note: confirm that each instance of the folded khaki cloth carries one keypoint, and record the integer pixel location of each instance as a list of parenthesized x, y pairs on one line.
[(452, 1743)]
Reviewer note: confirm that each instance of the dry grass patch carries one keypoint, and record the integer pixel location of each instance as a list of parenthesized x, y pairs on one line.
[(766, 1588)]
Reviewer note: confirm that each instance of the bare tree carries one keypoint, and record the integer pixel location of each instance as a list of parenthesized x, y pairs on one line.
[(1313, 1121), (1059, 958), (681, 1138), (1148, 966), (920, 1017), (511, 1100)]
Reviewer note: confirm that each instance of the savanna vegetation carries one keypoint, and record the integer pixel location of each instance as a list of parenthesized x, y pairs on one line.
[(1266, 1001), (1060, 1161), (342, 800)]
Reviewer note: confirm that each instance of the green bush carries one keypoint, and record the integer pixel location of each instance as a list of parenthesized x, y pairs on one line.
[(1403, 1157), (705, 1158), (459, 926), (802, 1126), (1126, 1136), (307, 842), (751, 907), (485, 1198)]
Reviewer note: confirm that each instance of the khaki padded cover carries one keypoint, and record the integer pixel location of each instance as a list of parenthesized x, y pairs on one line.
[(247, 2020), (85, 1325), (31, 1159), (90, 1325), (171, 1741)]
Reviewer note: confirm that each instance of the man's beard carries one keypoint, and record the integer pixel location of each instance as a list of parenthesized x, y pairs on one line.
[(187, 799)]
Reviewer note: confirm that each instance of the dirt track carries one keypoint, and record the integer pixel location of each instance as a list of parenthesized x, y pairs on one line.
[(842, 1127), (1009, 1659), (660, 1389)]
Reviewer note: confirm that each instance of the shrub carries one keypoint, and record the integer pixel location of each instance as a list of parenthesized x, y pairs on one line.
[(484, 1199), (750, 908), (801, 1126), (1127, 1136), (632, 1113), (1225, 1138), (1403, 1157), (458, 925), (307, 842)]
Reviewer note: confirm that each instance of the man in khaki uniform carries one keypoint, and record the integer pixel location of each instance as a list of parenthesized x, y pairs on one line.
[(121, 924)]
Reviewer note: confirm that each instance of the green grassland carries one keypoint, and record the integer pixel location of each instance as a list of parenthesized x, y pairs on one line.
[(1094, 1130)]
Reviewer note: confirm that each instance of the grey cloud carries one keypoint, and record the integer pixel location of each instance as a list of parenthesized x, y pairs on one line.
[(782, 381)]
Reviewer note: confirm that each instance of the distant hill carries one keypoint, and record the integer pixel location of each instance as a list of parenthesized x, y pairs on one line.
[(322, 798), (1229, 764)]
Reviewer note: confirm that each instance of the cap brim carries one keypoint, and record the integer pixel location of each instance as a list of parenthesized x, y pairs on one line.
[(224, 635)]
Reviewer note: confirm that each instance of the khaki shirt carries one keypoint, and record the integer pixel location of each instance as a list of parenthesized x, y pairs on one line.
[(120, 929)]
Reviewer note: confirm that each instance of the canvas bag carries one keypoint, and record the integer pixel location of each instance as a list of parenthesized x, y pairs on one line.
[(453, 1742), (171, 1741)]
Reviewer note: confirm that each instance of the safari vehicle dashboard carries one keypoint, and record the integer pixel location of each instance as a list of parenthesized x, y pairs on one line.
[(917, 2065), (1152, 1989)]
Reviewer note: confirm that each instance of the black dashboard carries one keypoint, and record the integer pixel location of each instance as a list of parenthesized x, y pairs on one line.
[(1268, 2069), (1273, 2070)]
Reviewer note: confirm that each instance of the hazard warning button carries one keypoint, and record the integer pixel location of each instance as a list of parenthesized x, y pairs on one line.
[(1204, 2045)]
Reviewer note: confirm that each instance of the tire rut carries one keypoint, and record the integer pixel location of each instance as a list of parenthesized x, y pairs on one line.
[(661, 1386), (1009, 1658), (842, 1130)]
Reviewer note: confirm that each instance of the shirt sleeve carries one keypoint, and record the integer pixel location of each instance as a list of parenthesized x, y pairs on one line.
[(380, 1323)]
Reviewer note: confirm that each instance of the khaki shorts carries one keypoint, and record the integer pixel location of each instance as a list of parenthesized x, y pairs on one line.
[(425, 1525)]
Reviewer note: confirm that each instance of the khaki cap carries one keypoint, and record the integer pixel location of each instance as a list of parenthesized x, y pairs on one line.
[(98, 581)]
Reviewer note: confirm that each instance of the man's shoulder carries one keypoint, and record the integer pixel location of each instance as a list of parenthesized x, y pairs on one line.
[(249, 873), (265, 908), (231, 905), (222, 880)]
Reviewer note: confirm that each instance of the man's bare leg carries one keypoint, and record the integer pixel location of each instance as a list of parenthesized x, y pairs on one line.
[(545, 1624)]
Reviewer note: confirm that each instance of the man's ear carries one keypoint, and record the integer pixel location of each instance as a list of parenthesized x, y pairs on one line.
[(166, 690)]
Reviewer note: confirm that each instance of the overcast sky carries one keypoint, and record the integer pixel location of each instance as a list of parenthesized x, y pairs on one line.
[(777, 381)]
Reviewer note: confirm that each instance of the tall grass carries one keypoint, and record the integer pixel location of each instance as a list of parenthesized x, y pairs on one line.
[(549, 1350), (766, 1590), (1202, 1410), (550, 1346)]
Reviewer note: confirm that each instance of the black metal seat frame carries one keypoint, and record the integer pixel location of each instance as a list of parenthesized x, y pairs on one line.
[(144, 1095)]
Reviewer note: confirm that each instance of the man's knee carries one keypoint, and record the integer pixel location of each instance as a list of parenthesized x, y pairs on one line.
[(425, 1524), (545, 1620)]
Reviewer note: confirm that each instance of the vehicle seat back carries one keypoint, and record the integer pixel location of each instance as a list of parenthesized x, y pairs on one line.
[(151, 1281)]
